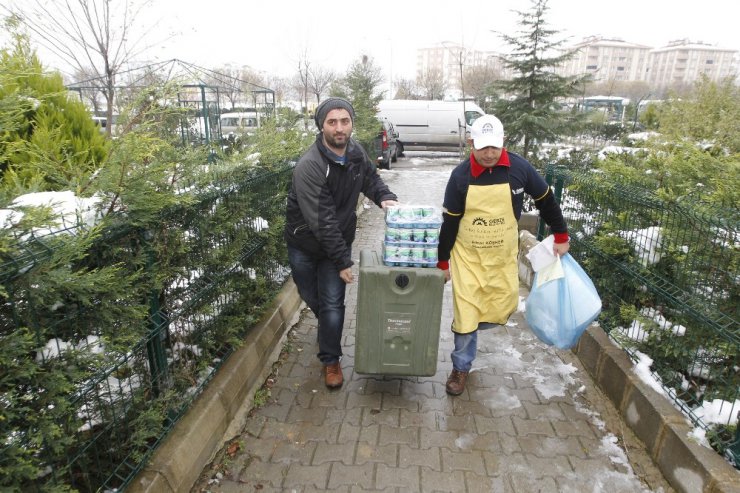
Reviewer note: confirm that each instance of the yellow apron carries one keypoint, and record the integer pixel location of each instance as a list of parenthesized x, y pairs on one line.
[(485, 280)]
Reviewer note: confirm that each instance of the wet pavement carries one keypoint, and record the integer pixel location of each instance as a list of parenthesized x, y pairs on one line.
[(530, 419)]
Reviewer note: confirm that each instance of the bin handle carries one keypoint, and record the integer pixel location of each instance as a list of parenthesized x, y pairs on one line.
[(402, 280)]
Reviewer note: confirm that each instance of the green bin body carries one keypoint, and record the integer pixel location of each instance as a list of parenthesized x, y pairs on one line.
[(399, 310)]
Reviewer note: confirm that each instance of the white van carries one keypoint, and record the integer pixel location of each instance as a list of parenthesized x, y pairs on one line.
[(102, 123), (430, 125), (240, 122)]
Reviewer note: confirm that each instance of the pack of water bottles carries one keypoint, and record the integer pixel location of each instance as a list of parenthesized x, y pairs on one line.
[(411, 235)]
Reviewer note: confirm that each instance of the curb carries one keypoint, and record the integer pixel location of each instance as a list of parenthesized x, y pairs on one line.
[(220, 410), (686, 465)]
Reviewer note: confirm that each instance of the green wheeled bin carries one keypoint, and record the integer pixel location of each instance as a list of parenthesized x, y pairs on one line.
[(399, 311)]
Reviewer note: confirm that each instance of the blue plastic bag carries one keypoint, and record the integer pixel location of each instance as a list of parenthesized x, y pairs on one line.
[(560, 310)]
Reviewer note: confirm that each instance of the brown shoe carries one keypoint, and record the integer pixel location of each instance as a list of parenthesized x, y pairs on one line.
[(333, 375), (456, 382)]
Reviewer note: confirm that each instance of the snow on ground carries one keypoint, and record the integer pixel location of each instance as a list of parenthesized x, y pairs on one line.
[(552, 378)]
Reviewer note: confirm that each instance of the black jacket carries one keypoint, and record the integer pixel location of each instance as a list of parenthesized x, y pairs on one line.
[(522, 178), (320, 214)]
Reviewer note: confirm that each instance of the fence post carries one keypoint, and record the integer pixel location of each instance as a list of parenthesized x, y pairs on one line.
[(733, 451), (206, 112), (559, 184), (157, 324), (550, 177)]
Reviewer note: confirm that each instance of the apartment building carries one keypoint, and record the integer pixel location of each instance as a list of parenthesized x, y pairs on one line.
[(682, 62), (447, 57), (679, 62), (608, 59)]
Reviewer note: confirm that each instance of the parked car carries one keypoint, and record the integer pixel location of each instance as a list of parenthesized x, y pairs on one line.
[(385, 144)]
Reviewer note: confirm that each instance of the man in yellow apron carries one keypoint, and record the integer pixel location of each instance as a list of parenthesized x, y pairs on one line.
[(478, 241)]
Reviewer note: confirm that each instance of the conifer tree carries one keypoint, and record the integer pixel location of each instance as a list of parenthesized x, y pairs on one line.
[(695, 159), (708, 113), (359, 86), (49, 141), (528, 104)]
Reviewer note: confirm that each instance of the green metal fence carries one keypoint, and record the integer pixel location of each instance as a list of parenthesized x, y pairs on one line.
[(93, 381), (668, 277)]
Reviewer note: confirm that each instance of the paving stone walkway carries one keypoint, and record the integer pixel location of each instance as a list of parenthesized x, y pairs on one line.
[(530, 419)]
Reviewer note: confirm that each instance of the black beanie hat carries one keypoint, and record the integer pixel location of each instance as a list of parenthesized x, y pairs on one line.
[(332, 104)]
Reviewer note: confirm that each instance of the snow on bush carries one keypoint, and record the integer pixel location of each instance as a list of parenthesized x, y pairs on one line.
[(646, 242), (68, 209)]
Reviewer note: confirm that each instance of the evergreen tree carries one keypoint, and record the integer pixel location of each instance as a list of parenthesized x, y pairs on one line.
[(48, 140), (695, 160), (708, 114), (649, 118), (529, 103), (359, 87)]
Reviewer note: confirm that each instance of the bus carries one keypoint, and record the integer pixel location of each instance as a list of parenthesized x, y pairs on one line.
[(613, 107)]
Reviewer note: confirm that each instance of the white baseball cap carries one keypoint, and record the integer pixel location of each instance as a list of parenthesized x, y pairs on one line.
[(487, 131)]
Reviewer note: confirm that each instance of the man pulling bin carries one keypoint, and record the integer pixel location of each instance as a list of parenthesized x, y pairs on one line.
[(320, 223)]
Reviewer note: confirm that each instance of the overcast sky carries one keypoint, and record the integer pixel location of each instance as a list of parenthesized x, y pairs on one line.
[(270, 35)]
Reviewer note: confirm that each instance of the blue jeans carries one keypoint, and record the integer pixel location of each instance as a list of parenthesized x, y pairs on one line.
[(323, 291), (466, 345)]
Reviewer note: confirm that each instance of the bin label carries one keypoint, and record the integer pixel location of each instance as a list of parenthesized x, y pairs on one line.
[(398, 323)]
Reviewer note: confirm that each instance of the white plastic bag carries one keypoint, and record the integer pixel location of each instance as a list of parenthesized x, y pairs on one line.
[(559, 311)]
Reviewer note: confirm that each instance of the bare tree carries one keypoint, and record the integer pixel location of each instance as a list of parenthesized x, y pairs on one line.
[(479, 82), (132, 82), (633, 90), (236, 85), (281, 86), (296, 85), (432, 84), (251, 81), (91, 87), (319, 80), (406, 89), (302, 82), (87, 34), (226, 79)]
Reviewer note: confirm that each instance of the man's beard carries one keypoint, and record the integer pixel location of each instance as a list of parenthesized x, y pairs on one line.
[(333, 142)]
